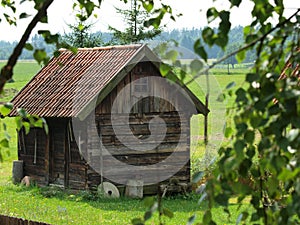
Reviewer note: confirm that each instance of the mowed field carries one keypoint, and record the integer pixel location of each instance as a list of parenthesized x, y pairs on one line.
[(56, 207)]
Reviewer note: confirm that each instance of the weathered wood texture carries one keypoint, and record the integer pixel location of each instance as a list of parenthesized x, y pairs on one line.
[(8, 220), (162, 95), (138, 120), (32, 151), (60, 159)]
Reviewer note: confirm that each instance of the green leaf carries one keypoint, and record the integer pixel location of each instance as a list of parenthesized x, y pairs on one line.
[(19, 123), (22, 112), (235, 2), (199, 50), (24, 15), (27, 127), (81, 27), (198, 176), (137, 221), (149, 202), (40, 55), (191, 220), (228, 132), (247, 30), (245, 167), (211, 14), (251, 77), (242, 217), (221, 97), (208, 36), (155, 22), (250, 152), (286, 174), (89, 7), (239, 146), (5, 109), (222, 199), (39, 123), (168, 213), (231, 85), (255, 121), (207, 217), (240, 56), (4, 143), (28, 46), (249, 136), (196, 66), (164, 69), (148, 5), (7, 136), (172, 55), (225, 24), (147, 215), (241, 95)]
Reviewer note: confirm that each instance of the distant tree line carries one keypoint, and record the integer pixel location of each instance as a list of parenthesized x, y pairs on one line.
[(184, 37)]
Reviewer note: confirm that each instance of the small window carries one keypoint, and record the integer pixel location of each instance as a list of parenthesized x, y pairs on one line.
[(140, 86)]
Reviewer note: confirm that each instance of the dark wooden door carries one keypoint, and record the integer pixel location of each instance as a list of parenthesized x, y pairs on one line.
[(58, 155)]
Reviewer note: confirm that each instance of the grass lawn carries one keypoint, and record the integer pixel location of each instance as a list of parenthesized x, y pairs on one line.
[(67, 208), (23, 72), (64, 208)]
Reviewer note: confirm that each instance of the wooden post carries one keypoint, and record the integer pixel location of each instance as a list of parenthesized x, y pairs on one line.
[(35, 147), (66, 157), (206, 116), (47, 158), (17, 171), (206, 122)]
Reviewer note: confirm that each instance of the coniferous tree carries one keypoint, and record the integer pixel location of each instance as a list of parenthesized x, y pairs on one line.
[(80, 35), (135, 30)]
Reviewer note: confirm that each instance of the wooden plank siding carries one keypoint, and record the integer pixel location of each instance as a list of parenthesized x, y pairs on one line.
[(61, 161), (141, 114), (31, 149)]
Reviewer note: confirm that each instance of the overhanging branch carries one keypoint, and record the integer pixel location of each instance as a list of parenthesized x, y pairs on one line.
[(251, 44), (7, 71)]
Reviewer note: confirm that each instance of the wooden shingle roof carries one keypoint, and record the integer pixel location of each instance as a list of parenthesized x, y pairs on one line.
[(70, 82)]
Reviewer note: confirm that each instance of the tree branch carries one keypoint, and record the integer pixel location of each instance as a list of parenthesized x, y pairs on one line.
[(7, 71), (260, 39)]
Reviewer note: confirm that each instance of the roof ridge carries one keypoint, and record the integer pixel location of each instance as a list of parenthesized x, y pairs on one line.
[(106, 47)]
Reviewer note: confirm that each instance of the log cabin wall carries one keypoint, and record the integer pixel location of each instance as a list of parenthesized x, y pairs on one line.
[(54, 158), (62, 161), (140, 115), (31, 149), (58, 168), (68, 165), (76, 155)]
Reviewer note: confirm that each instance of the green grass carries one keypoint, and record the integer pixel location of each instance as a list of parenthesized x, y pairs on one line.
[(23, 72), (67, 208), (218, 80)]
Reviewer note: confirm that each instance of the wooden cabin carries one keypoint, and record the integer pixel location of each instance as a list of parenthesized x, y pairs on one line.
[(85, 99)]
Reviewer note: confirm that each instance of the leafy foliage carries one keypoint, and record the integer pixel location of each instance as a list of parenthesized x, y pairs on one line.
[(153, 206), (265, 146), (23, 121)]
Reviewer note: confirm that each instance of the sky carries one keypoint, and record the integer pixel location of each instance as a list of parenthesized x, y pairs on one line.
[(60, 14)]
